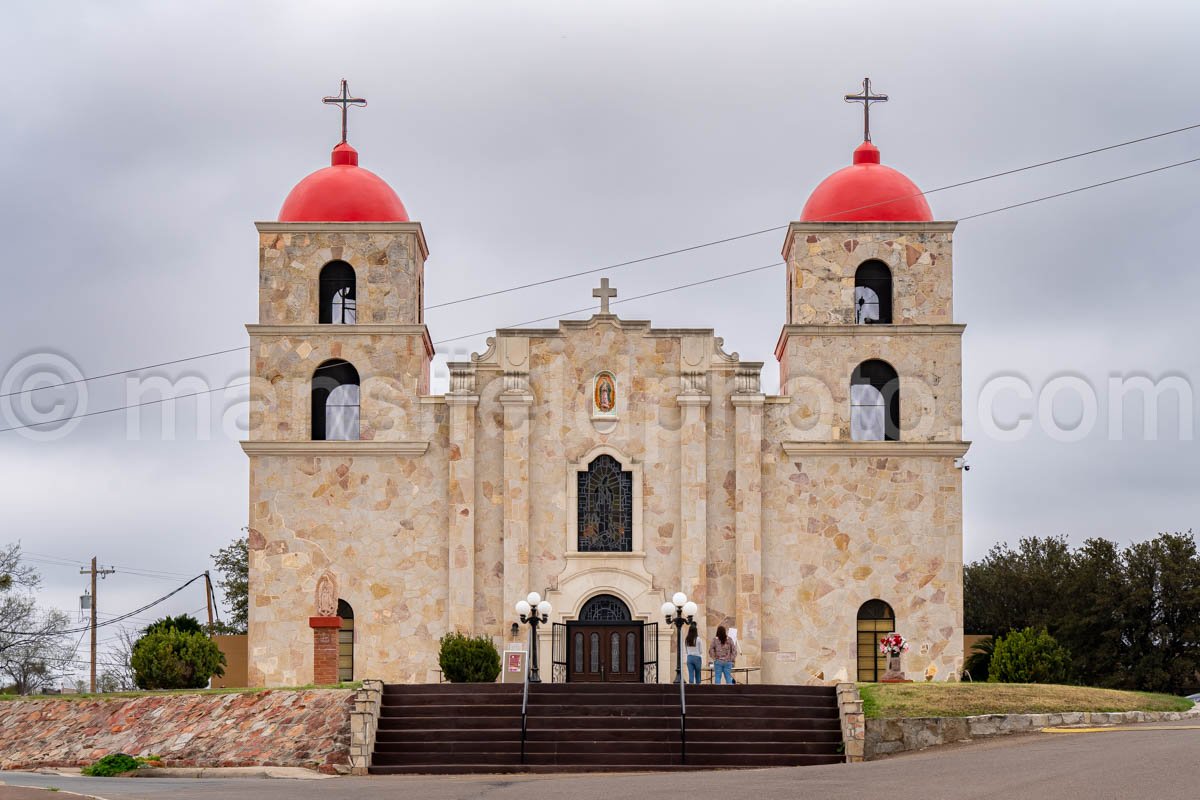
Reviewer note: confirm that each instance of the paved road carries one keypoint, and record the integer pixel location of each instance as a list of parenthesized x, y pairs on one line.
[(1148, 761)]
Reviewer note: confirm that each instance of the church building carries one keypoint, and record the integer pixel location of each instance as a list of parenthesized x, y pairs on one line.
[(605, 463)]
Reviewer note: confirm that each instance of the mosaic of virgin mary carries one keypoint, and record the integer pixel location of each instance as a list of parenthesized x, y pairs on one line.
[(604, 396)]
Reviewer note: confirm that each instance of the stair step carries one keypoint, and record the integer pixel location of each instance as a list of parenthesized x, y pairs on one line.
[(455, 729)]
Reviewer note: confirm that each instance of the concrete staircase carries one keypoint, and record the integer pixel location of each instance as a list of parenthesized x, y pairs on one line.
[(459, 728)]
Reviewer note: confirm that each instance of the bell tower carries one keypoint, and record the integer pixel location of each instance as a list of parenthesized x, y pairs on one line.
[(871, 359), (339, 360)]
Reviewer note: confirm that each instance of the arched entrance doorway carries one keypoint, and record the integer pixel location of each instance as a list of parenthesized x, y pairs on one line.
[(875, 620), (605, 644)]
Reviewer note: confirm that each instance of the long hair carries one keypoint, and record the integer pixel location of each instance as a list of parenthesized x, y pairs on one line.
[(692, 635), (724, 637)]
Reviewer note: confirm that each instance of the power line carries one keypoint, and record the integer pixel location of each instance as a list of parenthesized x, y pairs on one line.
[(958, 185), (1080, 189), (668, 253), (587, 308), (623, 300), (112, 621)]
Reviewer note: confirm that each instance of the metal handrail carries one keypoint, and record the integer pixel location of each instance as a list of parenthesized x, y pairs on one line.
[(524, 712), (682, 697)]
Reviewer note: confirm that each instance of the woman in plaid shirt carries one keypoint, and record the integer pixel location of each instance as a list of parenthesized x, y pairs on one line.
[(723, 651)]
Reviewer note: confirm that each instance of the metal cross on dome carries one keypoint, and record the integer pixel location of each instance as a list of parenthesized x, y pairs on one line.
[(345, 101), (866, 98)]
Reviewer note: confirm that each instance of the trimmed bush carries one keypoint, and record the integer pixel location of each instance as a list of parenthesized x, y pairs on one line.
[(468, 659), (168, 658), (1029, 656), (112, 764)]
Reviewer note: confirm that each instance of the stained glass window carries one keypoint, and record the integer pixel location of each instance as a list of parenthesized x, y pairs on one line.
[(595, 654), (616, 652), (605, 507), (579, 652), (604, 608), (631, 651)]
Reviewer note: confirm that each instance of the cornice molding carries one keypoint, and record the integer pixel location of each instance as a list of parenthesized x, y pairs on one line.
[(845, 329), (880, 449), (348, 227), (326, 448), (305, 330), (899, 228)]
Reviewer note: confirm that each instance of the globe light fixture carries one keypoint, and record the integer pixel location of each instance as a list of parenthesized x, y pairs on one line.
[(533, 611), (679, 611)]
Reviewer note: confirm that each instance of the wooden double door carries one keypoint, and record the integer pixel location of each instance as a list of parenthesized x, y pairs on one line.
[(604, 652)]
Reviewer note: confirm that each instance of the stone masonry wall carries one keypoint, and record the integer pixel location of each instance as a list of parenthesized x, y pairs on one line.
[(289, 728), (822, 260)]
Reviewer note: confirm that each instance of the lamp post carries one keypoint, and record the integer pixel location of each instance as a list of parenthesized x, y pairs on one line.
[(679, 611), (534, 611)]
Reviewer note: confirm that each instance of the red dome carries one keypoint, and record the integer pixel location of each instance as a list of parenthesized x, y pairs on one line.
[(343, 192), (866, 191)]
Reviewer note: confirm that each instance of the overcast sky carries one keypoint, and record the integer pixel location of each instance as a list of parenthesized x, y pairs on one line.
[(140, 141)]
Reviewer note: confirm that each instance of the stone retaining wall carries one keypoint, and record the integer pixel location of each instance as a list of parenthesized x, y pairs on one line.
[(287, 728), (888, 736)]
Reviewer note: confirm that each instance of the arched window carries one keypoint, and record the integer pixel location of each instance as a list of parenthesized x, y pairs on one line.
[(337, 295), (345, 642), (874, 402), (605, 507), (335, 398), (875, 620), (605, 608), (873, 294)]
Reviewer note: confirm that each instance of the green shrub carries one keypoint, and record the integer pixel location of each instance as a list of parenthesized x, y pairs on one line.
[(112, 764), (169, 658), (468, 659), (1029, 656)]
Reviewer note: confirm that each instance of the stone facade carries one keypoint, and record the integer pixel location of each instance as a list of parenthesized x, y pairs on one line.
[(451, 508)]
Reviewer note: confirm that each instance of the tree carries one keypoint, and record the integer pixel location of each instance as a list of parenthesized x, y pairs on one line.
[(34, 652), (117, 673), (1130, 618), (1014, 589), (233, 562), (1161, 614), (174, 653)]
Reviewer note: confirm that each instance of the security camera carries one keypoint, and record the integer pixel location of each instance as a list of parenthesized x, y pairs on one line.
[(961, 463)]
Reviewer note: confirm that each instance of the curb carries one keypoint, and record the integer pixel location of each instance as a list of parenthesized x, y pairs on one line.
[(889, 736), (289, 773)]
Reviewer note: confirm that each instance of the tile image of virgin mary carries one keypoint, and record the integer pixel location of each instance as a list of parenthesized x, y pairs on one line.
[(606, 392)]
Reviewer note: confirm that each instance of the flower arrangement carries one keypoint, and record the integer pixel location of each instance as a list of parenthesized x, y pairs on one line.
[(893, 645)]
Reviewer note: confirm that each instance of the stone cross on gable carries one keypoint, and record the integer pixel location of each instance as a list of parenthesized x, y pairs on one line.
[(866, 98), (605, 294), (345, 101)]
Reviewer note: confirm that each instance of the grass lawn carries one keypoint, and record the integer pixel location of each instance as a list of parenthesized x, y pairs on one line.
[(150, 693), (970, 699)]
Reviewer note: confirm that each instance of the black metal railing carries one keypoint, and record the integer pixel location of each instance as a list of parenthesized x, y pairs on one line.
[(524, 712)]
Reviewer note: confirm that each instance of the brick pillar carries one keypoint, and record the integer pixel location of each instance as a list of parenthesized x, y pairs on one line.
[(325, 649)]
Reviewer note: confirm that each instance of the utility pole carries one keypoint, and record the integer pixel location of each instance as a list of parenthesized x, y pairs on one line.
[(94, 572), (208, 596)]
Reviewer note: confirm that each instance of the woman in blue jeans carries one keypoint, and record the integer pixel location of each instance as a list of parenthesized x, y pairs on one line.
[(723, 651), (695, 653)]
